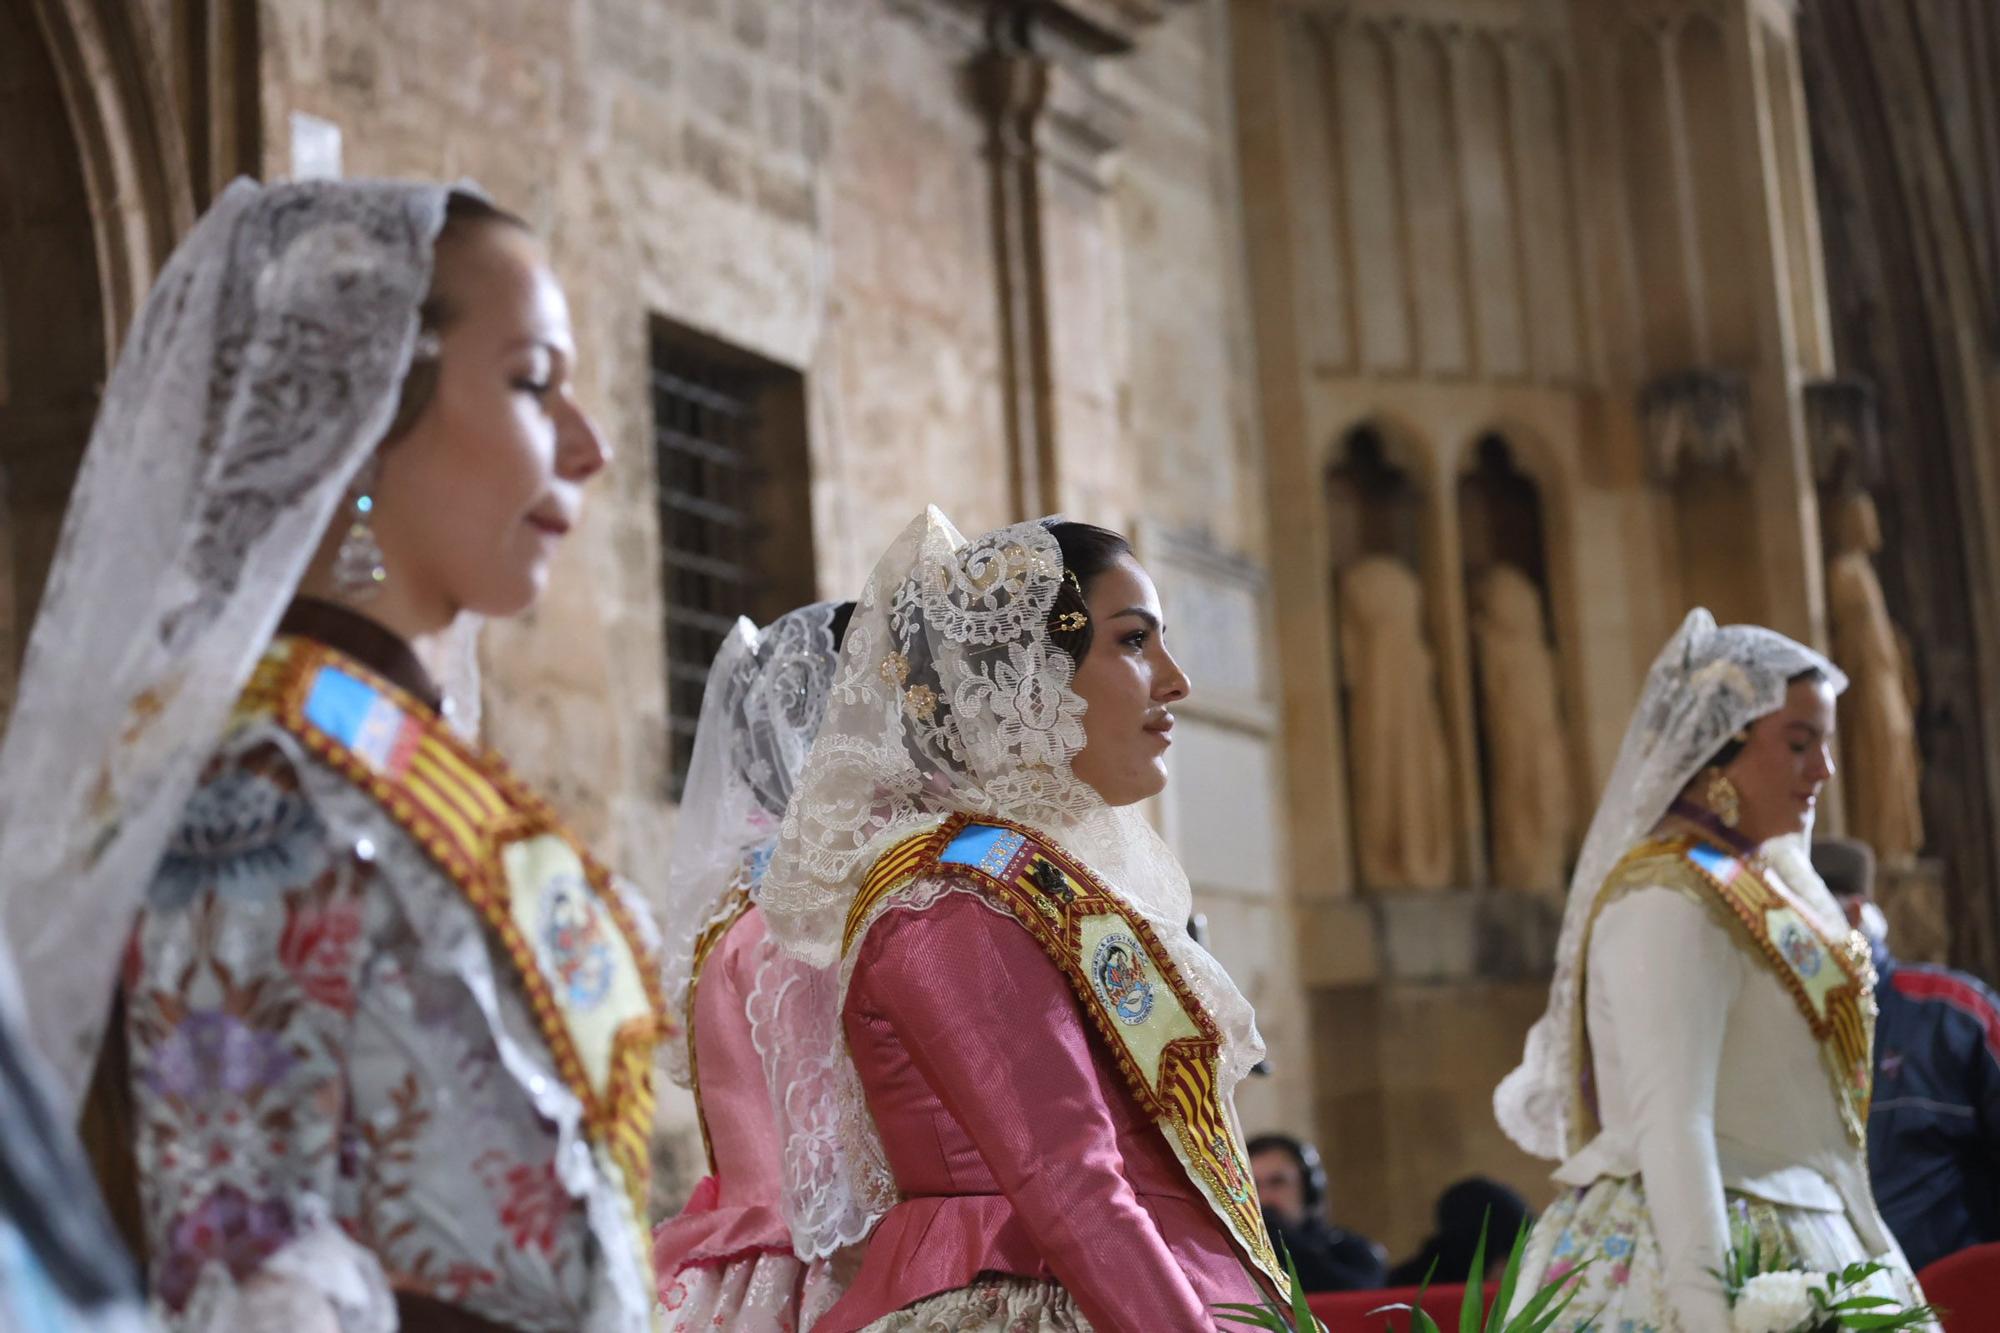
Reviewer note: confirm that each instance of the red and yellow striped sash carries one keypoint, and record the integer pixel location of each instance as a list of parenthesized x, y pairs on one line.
[(594, 992), (1166, 1045)]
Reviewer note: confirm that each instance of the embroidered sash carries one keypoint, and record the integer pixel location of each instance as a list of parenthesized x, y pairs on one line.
[(1166, 1045), (574, 948), (1832, 984)]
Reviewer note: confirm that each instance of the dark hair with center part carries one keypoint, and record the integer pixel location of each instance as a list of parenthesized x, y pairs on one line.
[(463, 214), (1732, 747), (1087, 551)]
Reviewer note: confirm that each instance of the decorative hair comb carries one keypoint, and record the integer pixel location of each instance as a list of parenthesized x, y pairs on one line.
[(1069, 622)]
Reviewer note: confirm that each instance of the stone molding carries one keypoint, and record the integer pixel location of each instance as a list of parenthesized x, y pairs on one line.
[(1696, 420), (1844, 432)]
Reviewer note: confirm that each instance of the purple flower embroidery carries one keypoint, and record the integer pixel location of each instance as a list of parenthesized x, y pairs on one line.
[(226, 1228), (214, 1052)]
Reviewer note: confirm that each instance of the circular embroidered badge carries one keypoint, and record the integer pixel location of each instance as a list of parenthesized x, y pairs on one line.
[(1800, 949), (576, 948), (1119, 972)]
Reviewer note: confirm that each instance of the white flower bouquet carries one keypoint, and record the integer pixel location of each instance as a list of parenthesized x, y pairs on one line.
[(1768, 1294)]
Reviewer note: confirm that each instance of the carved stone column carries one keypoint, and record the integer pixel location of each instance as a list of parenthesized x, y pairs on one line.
[(1052, 128), (1012, 85)]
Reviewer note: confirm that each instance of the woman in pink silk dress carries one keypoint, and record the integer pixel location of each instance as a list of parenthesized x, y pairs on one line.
[(727, 1261), (1032, 1066)]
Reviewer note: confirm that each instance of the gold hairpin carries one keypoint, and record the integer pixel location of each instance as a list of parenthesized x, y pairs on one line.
[(1069, 622)]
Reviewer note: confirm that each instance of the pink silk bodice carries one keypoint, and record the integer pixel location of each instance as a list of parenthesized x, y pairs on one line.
[(1013, 1138), (734, 1212)]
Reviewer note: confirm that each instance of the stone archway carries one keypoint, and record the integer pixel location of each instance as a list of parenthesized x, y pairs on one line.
[(53, 338), (117, 122)]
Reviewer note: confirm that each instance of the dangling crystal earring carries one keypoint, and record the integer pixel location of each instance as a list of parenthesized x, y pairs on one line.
[(357, 566), (1724, 799)]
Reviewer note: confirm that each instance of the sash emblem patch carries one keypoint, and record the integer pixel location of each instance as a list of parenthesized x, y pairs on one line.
[(1120, 972)]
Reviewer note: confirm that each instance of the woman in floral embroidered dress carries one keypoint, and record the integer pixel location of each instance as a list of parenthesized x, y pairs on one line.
[(1680, 1075), (983, 1114), (727, 1261), (385, 1027)]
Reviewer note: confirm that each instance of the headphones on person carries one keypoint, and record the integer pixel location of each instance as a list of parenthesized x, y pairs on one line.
[(1307, 1156)]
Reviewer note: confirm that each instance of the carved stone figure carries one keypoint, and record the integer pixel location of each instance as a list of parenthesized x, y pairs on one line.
[(1531, 799), (1401, 774), (1877, 723)]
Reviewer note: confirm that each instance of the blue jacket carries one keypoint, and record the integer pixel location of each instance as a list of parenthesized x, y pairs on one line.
[(1934, 1127)]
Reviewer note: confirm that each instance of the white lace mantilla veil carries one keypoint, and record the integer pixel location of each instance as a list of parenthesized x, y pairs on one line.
[(949, 697), (767, 691), (1707, 684), (262, 371)]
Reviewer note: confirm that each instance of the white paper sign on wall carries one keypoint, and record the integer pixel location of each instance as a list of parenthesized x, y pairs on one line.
[(315, 147)]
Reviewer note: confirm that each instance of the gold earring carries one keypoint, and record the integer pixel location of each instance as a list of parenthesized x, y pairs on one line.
[(1724, 799)]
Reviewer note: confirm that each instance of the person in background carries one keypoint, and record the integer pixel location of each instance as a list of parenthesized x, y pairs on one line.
[(1934, 1126), (726, 1260), (1291, 1185), (1463, 1210)]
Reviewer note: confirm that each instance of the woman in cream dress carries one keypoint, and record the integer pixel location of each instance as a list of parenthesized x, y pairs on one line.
[(1702, 1071)]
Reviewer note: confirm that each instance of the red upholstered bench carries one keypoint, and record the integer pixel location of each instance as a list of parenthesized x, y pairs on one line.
[(1347, 1311), (1966, 1286)]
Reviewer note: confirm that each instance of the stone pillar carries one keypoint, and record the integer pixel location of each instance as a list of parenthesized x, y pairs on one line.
[(1053, 125), (1012, 85)]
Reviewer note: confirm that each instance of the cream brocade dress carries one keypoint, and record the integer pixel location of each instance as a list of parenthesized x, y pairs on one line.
[(1717, 1115)]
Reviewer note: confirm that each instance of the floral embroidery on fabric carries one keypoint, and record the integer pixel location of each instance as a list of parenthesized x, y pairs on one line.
[(317, 948), (210, 1051), (1038, 719), (227, 1228), (294, 1052), (533, 1203), (990, 1304), (1608, 1226), (247, 832)]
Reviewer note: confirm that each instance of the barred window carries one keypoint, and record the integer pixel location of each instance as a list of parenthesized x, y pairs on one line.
[(735, 513)]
